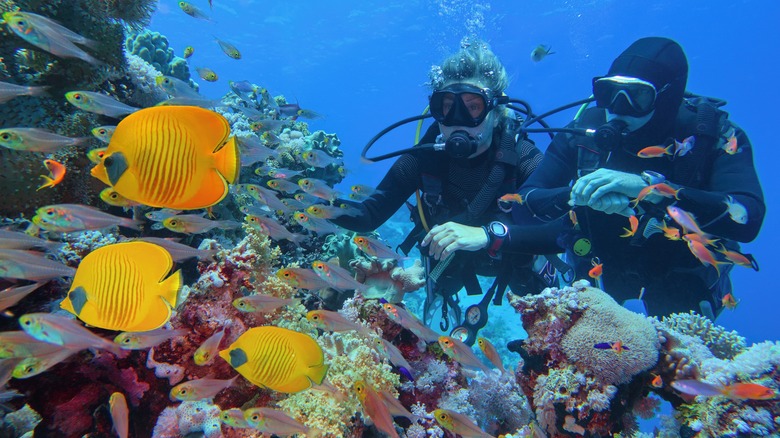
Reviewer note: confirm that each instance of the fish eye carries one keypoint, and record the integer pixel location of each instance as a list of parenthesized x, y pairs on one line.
[(102, 132), (77, 96), (315, 317), (255, 417), (183, 391), (28, 322), (6, 136), (114, 196), (241, 304), (126, 340), (173, 223)]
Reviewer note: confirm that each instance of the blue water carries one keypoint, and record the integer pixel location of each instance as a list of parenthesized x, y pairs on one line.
[(363, 65)]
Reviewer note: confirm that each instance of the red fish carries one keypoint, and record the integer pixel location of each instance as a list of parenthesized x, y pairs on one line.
[(729, 301), (738, 258), (56, 173), (597, 269), (702, 253), (512, 197), (657, 382), (656, 151), (617, 347), (684, 219), (739, 391), (573, 218), (634, 222), (731, 147)]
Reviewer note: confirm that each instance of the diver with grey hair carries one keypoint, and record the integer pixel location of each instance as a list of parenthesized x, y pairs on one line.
[(469, 159)]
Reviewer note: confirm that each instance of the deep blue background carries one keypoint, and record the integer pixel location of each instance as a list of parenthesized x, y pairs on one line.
[(364, 65)]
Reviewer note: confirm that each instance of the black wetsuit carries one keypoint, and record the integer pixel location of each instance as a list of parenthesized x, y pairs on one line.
[(674, 280), (460, 180)]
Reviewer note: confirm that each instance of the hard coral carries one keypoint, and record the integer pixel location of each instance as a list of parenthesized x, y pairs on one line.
[(153, 48), (386, 279), (722, 343), (605, 321), (565, 374)]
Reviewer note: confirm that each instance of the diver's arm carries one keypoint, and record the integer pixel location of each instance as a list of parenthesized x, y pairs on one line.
[(735, 176), (535, 239), (396, 187), (546, 193)]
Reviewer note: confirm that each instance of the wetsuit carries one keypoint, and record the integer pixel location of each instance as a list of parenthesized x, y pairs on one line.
[(674, 280), (460, 182)]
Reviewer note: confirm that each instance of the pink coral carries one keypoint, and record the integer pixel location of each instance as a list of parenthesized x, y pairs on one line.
[(564, 375), (386, 279)]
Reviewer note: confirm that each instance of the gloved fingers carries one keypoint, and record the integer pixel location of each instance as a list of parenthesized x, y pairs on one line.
[(612, 186)]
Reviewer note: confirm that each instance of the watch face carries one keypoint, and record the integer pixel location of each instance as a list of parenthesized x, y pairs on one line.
[(498, 229)]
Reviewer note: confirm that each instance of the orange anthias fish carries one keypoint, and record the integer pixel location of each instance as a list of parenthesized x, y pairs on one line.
[(597, 269), (512, 197), (657, 382), (634, 223), (684, 219), (573, 218), (702, 253), (739, 391), (179, 157), (745, 260), (729, 302), (656, 151), (731, 146), (56, 173)]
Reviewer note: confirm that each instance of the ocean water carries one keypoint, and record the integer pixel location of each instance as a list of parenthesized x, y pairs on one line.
[(364, 66)]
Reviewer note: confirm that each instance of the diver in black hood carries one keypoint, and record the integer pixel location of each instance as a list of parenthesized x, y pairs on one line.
[(674, 242)]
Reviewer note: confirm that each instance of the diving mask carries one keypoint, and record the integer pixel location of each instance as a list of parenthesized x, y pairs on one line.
[(625, 95), (463, 105)]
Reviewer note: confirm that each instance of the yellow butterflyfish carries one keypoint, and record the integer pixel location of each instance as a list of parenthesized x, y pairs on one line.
[(123, 286), (277, 358), (180, 157)]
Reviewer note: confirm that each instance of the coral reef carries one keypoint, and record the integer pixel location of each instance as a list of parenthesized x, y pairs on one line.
[(153, 48), (573, 384), (722, 344), (386, 279)]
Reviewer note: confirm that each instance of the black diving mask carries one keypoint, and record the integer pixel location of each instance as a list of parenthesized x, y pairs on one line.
[(463, 105), (625, 96)]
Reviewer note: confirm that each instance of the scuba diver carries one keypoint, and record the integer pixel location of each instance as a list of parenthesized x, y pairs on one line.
[(675, 242), (461, 167)]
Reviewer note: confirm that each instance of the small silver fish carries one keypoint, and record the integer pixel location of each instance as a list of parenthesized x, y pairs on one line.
[(10, 91), (36, 140)]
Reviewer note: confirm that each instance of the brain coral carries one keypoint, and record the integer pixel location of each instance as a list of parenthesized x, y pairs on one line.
[(604, 320)]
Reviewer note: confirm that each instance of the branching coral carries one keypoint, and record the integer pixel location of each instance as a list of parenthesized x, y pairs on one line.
[(722, 343)]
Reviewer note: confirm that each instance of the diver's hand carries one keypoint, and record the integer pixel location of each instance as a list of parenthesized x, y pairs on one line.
[(612, 203), (602, 181), (450, 237)]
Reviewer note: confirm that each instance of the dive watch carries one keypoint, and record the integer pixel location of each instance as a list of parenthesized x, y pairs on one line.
[(651, 177), (497, 232)]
